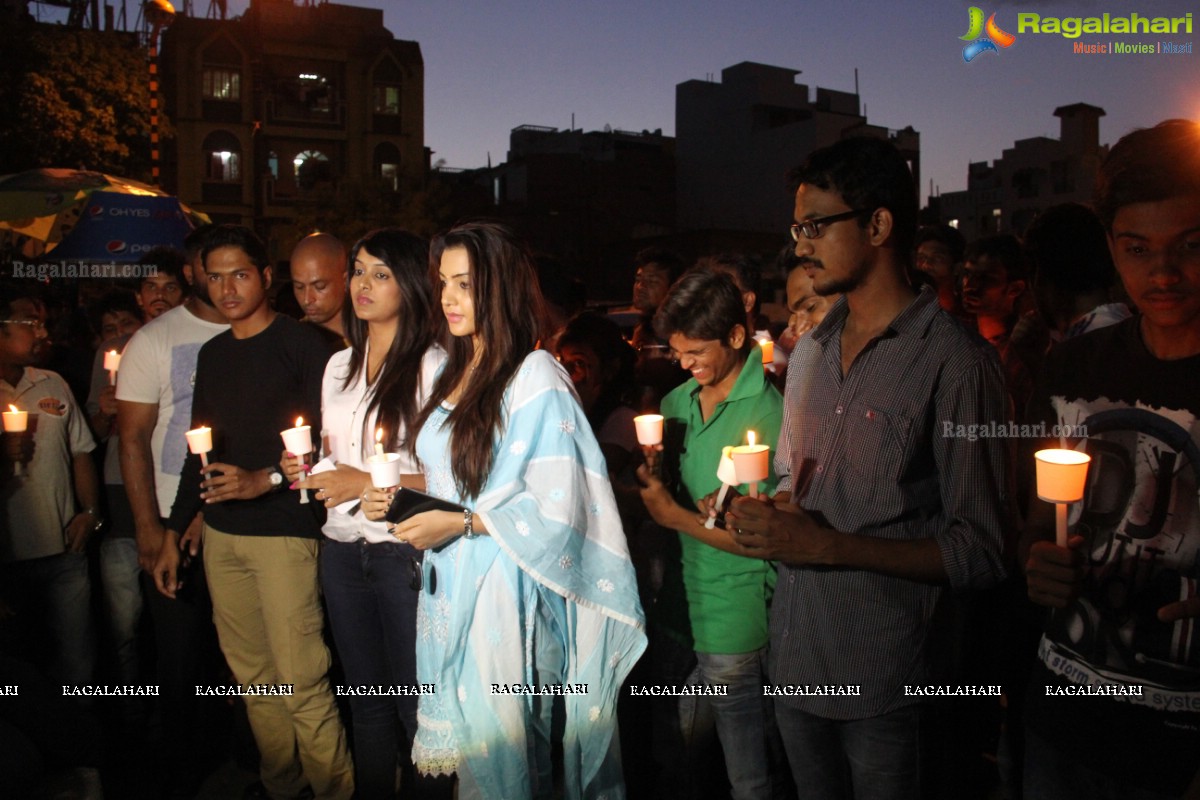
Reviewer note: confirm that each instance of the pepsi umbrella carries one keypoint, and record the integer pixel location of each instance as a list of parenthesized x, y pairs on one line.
[(124, 227), (40, 207)]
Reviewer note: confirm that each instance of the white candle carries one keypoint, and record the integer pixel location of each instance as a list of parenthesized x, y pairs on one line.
[(298, 442), (1061, 477), (112, 362), (649, 428), (16, 421), (727, 473), (200, 442), (768, 351), (752, 462), (379, 442)]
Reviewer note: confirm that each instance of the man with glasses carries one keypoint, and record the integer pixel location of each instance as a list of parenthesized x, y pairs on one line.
[(49, 497), (878, 511)]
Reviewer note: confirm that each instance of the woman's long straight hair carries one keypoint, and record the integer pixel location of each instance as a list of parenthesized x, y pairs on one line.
[(509, 321), (393, 393)]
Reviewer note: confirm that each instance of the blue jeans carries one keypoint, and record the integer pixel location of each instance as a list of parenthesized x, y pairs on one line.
[(119, 573), (875, 758), (1050, 776), (742, 717), (53, 595), (373, 613)]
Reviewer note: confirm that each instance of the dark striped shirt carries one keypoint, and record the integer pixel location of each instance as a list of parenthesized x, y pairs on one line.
[(870, 453)]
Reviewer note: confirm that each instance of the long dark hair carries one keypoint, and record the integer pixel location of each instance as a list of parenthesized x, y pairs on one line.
[(509, 320), (394, 393)]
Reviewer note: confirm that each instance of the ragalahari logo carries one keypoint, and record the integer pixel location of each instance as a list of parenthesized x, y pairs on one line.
[(977, 44)]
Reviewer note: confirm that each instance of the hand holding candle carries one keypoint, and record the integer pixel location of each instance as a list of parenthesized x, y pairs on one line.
[(1061, 476), (752, 462), (727, 473), (298, 442), (379, 442), (649, 429), (200, 443), (112, 363), (16, 421), (768, 352)]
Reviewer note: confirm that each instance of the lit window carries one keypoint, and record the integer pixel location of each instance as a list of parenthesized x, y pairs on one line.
[(387, 99), (221, 83), (223, 157)]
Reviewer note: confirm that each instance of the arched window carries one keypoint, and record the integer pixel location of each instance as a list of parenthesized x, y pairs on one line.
[(312, 167), (223, 157), (387, 166)]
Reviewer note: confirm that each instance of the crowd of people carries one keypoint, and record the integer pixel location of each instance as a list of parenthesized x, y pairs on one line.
[(539, 602)]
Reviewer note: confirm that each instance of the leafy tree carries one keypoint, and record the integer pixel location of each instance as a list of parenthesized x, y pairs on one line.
[(74, 98)]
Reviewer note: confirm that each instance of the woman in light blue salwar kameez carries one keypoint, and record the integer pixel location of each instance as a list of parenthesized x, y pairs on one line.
[(541, 608)]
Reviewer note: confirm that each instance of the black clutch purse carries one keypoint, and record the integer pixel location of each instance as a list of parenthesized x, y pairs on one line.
[(409, 502)]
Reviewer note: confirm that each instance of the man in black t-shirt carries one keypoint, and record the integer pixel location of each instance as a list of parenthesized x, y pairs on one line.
[(260, 542), (1114, 705)]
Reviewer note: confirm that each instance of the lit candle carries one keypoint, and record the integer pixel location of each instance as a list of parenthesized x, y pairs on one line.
[(298, 442), (768, 351), (200, 442), (727, 473), (16, 421), (1061, 476), (379, 441), (112, 362), (649, 428), (752, 462)]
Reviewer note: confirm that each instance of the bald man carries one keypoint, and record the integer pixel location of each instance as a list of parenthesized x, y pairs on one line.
[(318, 268)]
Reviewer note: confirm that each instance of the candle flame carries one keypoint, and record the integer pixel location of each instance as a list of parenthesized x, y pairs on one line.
[(750, 438), (763, 340), (12, 408), (112, 352), (299, 422), (379, 434)]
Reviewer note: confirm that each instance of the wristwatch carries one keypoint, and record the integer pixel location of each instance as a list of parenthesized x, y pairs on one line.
[(276, 479)]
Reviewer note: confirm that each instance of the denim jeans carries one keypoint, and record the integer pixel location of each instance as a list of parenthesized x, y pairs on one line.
[(875, 758), (119, 572), (373, 613), (53, 596), (742, 717)]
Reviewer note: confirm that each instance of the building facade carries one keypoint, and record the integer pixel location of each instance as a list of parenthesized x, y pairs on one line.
[(1029, 177), (282, 106)]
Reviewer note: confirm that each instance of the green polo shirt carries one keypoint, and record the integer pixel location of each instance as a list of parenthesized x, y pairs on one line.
[(727, 595)]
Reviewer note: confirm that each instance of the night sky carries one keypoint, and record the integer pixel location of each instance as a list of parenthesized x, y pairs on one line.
[(491, 65)]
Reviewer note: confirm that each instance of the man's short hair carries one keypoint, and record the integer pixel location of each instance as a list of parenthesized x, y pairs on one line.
[(1149, 165), (1006, 249), (951, 237), (237, 236), (12, 291), (167, 260), (868, 173), (746, 271), (704, 304), (113, 302), (193, 243), (666, 259)]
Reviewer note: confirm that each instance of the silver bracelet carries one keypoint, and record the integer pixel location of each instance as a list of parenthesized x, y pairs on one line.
[(469, 524)]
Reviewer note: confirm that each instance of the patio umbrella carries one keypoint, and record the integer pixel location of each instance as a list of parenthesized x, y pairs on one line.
[(40, 208)]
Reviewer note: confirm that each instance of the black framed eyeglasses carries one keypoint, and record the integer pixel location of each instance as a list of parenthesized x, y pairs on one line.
[(811, 228)]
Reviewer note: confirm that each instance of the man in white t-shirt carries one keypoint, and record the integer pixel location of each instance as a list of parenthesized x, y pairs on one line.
[(154, 409)]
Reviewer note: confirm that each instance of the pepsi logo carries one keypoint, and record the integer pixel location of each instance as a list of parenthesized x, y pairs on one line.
[(95, 211), (116, 246)]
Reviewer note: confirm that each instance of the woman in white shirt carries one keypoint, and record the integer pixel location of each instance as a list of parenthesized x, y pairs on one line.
[(370, 581)]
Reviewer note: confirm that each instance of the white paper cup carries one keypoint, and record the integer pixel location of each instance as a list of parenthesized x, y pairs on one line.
[(649, 428), (1061, 475), (385, 470)]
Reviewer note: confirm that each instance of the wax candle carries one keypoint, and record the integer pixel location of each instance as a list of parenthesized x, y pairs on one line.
[(649, 428), (768, 351), (752, 462), (379, 443), (298, 442), (16, 421), (1061, 476), (200, 442), (112, 362), (727, 474)]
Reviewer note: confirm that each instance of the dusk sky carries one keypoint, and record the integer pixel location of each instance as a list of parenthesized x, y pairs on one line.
[(491, 65)]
